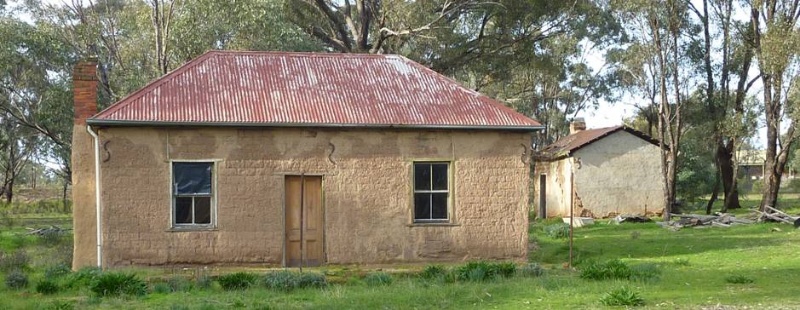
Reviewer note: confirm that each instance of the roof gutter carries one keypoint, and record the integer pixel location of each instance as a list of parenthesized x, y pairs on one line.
[(96, 142), (102, 122)]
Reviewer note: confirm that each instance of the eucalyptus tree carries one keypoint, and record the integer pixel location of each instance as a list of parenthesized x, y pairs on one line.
[(776, 42), (654, 66)]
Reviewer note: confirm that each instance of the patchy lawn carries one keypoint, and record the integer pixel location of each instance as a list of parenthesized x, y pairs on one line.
[(741, 267)]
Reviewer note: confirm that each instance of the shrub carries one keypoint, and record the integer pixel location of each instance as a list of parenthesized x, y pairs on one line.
[(623, 296), (531, 270), (237, 281), (613, 269), (47, 287), (83, 277), (378, 278), (287, 280), (51, 237), (557, 231), (433, 272), (16, 280), (312, 279), (162, 288), (115, 283), (481, 271), (57, 271), (739, 279), (17, 260)]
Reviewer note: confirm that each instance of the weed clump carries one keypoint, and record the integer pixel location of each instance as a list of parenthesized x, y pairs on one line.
[(482, 271), (618, 270), (237, 281), (17, 260), (433, 272), (378, 278), (287, 280), (622, 296), (83, 277), (739, 279), (114, 284), (57, 271), (16, 280), (557, 231), (531, 270), (47, 287)]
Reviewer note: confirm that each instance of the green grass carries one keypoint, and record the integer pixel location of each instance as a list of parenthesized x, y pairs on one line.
[(697, 268)]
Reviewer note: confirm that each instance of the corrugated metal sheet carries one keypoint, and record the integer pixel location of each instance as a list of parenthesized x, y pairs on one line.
[(264, 88), (569, 144)]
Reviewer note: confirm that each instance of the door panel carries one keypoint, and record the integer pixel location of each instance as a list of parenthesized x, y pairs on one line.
[(304, 221)]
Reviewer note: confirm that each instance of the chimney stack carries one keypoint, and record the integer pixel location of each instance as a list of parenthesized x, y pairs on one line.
[(84, 87), (577, 125)]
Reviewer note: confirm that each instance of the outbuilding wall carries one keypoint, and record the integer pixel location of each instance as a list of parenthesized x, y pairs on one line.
[(367, 188), (619, 174)]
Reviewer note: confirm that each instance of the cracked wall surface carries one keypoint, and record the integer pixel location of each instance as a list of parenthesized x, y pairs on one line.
[(366, 187)]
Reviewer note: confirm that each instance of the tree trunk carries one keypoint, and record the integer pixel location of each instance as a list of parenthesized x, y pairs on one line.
[(64, 199), (714, 194), (9, 192), (725, 164)]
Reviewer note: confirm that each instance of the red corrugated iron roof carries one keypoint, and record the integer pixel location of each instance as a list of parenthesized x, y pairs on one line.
[(308, 89), (565, 146)]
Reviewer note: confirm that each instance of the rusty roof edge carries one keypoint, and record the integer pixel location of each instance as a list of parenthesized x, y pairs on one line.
[(156, 82), (480, 95), (105, 122)]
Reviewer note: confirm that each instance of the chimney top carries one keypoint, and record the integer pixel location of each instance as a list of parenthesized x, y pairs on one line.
[(84, 90), (577, 125)]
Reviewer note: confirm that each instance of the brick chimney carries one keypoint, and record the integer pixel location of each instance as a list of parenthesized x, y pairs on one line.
[(84, 81), (84, 213), (577, 125)]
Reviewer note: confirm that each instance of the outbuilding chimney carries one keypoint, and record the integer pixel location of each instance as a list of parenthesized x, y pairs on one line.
[(577, 125), (84, 87)]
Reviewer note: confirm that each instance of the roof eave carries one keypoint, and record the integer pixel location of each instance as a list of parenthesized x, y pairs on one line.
[(128, 123)]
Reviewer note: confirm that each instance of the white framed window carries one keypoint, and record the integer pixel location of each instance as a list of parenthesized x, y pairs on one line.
[(193, 201), (431, 192)]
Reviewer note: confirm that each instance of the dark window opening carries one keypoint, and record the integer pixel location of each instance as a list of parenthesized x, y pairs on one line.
[(431, 191), (192, 190)]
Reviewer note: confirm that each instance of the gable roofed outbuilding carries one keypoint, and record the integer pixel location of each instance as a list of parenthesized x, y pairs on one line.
[(568, 145), (231, 88)]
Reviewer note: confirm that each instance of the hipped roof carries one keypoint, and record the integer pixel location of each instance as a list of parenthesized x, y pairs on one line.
[(230, 88)]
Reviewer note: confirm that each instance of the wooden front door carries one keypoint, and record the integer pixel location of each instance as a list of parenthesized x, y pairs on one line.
[(304, 221)]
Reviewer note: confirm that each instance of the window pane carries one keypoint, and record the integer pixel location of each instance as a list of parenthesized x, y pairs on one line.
[(422, 206), (422, 177), (192, 178), (202, 210), (183, 210), (439, 207), (439, 176)]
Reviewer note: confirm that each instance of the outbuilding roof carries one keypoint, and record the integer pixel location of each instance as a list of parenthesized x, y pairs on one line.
[(566, 146), (233, 88)]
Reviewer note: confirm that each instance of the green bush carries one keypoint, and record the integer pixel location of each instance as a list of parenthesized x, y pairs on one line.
[(312, 279), (237, 281), (623, 296), (433, 272), (83, 277), (17, 260), (645, 273), (739, 279), (557, 231), (16, 280), (482, 271), (613, 269), (47, 287), (531, 270), (57, 271), (116, 283), (378, 278), (161, 288)]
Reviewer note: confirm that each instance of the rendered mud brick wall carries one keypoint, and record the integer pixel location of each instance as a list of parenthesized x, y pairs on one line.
[(620, 174), (557, 189), (367, 189)]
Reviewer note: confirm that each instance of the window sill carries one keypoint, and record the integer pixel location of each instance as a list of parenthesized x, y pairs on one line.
[(428, 224), (191, 228)]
